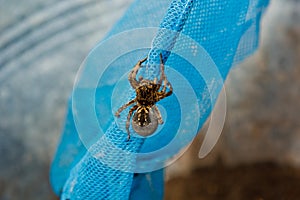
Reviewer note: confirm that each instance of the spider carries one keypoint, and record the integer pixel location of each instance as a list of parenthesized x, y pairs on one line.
[(148, 92)]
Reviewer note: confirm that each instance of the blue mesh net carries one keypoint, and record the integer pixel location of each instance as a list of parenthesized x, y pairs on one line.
[(199, 41)]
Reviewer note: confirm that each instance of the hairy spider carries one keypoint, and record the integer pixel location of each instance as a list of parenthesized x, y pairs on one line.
[(148, 92)]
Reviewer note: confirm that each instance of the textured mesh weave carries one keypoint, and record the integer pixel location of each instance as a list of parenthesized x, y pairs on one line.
[(226, 29), (175, 18)]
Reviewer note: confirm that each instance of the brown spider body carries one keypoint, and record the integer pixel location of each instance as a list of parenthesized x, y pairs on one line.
[(146, 97), (147, 116)]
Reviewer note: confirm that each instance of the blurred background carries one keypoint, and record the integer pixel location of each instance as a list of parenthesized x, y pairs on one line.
[(42, 44)]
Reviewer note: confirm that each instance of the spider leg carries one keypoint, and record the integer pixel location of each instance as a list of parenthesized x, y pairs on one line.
[(162, 70), (128, 120), (162, 94), (132, 75), (117, 114), (163, 79), (158, 115), (140, 78), (167, 84)]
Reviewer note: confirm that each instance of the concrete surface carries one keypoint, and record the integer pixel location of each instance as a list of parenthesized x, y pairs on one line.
[(42, 44)]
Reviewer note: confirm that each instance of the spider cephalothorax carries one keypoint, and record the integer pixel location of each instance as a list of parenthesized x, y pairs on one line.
[(147, 116)]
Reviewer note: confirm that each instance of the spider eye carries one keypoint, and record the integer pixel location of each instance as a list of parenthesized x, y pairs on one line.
[(144, 124)]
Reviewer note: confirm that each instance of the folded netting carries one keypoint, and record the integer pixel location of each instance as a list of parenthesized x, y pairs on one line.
[(199, 40)]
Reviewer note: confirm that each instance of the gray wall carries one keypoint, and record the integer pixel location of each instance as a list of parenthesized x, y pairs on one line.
[(42, 44), (263, 122)]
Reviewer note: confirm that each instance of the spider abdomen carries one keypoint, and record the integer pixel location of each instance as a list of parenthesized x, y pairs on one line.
[(144, 121), (142, 116)]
